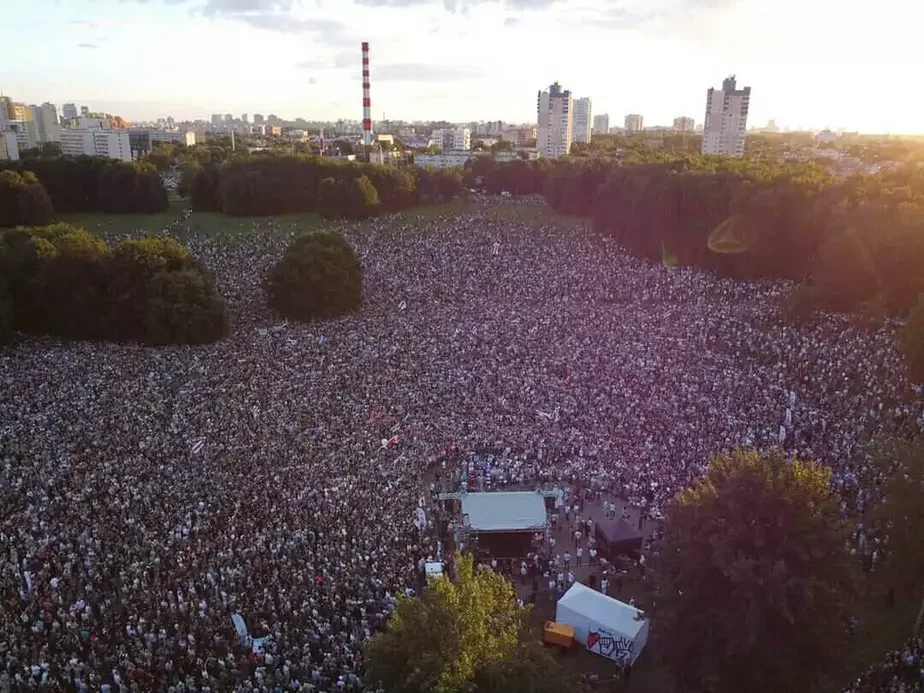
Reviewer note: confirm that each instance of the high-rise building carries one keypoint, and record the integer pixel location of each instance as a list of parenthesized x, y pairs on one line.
[(635, 123), (26, 134), (582, 121), (556, 120), (258, 119), (68, 111), (215, 121), (47, 126), (19, 111), (9, 147), (601, 124), (726, 119), (244, 118), (684, 124), (5, 113)]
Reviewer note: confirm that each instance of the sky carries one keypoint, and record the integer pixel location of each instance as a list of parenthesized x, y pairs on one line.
[(810, 63)]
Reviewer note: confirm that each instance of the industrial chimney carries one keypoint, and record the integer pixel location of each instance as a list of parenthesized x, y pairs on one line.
[(367, 102)]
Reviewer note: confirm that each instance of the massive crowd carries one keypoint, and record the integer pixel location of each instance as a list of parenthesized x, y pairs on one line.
[(147, 495)]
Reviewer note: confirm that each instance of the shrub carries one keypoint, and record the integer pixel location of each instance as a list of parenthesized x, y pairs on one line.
[(913, 338), (318, 277)]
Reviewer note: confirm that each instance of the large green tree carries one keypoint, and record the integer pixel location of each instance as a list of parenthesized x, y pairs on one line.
[(439, 642), (23, 200), (318, 277), (754, 581)]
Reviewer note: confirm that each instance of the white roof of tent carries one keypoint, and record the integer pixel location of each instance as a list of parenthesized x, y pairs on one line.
[(608, 612), (504, 511)]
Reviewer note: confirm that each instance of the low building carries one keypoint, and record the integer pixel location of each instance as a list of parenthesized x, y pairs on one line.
[(521, 137), (826, 137), (503, 157), (457, 139), (444, 160), (112, 144), (142, 139)]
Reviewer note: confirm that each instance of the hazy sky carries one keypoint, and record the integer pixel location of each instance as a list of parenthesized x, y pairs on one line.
[(810, 63)]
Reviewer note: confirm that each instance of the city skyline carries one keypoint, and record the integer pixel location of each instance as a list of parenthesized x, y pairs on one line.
[(466, 60)]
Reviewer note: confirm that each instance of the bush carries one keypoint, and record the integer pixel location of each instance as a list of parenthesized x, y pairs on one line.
[(65, 282), (913, 338), (23, 200), (318, 277)]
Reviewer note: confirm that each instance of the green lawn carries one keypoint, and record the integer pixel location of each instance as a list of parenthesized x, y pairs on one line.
[(211, 223), (537, 215)]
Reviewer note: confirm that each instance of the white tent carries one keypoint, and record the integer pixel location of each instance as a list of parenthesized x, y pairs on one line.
[(604, 625), (505, 511)]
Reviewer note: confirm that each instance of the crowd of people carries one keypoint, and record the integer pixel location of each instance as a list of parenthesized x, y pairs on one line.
[(149, 495), (901, 671)]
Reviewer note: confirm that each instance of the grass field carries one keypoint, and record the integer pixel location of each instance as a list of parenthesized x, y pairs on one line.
[(211, 223)]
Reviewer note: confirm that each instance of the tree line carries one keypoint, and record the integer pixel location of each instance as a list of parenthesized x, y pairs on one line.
[(275, 185), (858, 242), (62, 281), (76, 184)]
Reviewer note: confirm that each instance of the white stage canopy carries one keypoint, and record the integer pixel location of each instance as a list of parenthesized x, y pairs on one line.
[(505, 511)]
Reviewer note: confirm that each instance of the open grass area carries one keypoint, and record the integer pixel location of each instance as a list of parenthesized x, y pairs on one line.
[(210, 223), (536, 215), (214, 223)]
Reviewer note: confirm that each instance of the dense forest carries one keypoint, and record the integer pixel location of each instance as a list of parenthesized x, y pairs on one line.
[(273, 185), (89, 184)]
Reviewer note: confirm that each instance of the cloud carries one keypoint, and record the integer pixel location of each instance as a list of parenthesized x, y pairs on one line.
[(424, 72), (87, 45), (312, 80), (214, 7), (511, 21), (311, 64), (463, 5)]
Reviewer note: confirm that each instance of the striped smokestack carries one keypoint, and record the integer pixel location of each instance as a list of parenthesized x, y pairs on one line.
[(367, 102)]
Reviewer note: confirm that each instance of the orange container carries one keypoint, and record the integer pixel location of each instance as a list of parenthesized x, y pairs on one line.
[(558, 635)]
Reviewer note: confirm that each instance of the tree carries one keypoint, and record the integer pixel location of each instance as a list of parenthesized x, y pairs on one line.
[(203, 191), (754, 578), (318, 277), (900, 513), (65, 282), (913, 338), (184, 307), (502, 146), (439, 642), (530, 669), (23, 200)]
